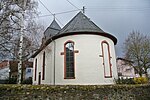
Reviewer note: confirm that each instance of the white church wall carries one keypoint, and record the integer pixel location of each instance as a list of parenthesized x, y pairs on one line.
[(38, 69), (49, 62), (89, 69), (33, 79)]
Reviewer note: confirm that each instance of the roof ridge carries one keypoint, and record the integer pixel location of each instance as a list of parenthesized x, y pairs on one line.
[(52, 30), (56, 27), (80, 23), (70, 22)]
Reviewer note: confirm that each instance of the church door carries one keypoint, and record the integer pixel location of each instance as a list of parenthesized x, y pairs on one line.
[(106, 59), (39, 81)]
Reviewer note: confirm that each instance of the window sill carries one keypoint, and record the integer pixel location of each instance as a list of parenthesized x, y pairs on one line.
[(108, 76), (69, 78)]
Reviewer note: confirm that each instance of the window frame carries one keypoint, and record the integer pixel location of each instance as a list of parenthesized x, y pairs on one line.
[(35, 70), (43, 66), (65, 67), (110, 65)]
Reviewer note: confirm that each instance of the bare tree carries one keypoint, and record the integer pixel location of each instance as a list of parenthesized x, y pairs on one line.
[(10, 12), (137, 49), (31, 42), (35, 33)]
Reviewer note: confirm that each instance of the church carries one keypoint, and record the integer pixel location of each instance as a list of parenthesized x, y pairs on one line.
[(80, 53)]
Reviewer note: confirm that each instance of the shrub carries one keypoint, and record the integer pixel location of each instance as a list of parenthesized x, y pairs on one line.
[(5, 81), (141, 80), (11, 81), (27, 81), (124, 81)]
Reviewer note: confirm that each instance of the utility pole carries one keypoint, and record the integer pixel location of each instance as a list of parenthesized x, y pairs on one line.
[(20, 64)]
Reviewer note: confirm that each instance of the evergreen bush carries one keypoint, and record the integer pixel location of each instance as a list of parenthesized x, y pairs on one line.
[(27, 81), (11, 80)]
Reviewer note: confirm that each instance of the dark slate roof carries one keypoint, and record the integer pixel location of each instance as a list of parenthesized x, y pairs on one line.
[(52, 30), (80, 23)]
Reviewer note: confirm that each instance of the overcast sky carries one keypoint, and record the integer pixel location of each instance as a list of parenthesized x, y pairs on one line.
[(118, 17)]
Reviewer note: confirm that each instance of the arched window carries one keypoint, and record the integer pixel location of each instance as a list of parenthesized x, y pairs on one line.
[(106, 59), (35, 70), (43, 66), (69, 60)]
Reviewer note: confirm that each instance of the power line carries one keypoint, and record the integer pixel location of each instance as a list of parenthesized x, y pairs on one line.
[(67, 12), (120, 8), (56, 13), (50, 12), (73, 4), (60, 13), (46, 7)]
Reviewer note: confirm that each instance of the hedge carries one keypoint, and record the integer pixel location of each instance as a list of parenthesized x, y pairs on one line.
[(74, 92)]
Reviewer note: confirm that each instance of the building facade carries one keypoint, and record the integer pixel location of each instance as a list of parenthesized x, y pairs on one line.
[(78, 54), (9, 69), (4, 70), (125, 69)]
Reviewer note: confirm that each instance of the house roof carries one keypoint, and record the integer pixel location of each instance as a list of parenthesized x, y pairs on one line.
[(80, 24), (52, 30), (123, 59), (3, 64), (14, 65)]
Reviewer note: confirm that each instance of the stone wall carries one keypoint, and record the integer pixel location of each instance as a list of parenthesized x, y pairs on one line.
[(92, 92)]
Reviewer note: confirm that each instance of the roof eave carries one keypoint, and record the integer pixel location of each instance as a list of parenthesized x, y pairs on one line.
[(114, 39), (87, 32)]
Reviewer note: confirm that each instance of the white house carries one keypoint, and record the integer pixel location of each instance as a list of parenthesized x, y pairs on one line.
[(125, 69), (9, 69), (78, 54), (29, 72)]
